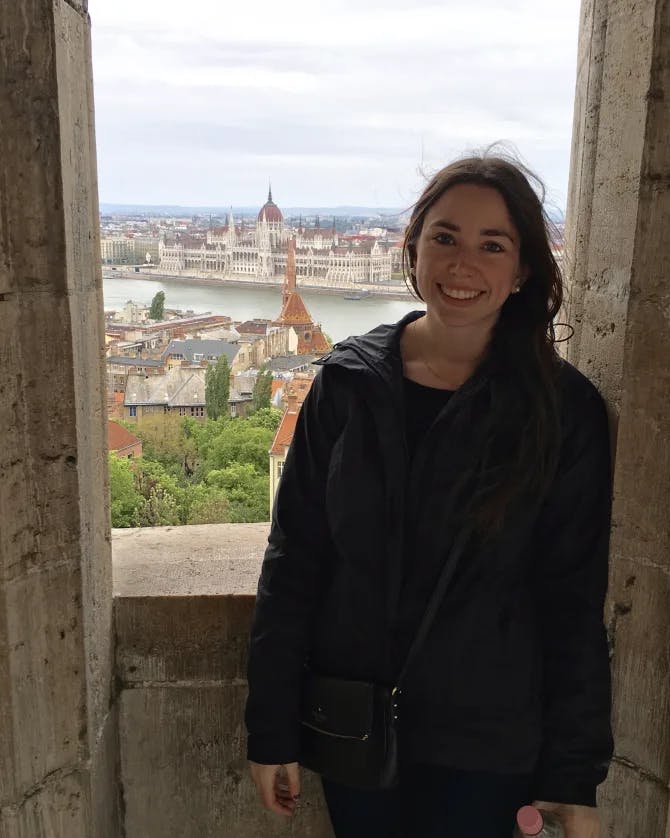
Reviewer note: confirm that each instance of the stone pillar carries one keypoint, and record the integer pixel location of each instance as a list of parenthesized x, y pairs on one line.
[(618, 241), (58, 751)]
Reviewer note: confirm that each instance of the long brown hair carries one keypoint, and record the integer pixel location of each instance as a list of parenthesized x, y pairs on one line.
[(522, 450)]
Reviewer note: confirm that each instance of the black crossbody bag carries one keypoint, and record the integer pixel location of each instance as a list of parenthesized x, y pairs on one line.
[(349, 729)]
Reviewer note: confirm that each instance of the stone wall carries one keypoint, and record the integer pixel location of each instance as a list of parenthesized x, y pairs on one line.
[(183, 603), (58, 731), (617, 237)]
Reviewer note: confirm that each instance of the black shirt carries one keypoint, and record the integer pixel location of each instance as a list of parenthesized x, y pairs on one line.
[(422, 404)]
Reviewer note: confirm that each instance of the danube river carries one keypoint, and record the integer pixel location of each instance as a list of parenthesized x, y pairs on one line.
[(338, 317)]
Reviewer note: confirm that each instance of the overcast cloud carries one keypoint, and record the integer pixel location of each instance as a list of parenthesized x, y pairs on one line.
[(338, 103)]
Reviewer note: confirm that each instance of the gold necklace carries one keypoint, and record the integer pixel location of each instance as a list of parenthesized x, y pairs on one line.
[(425, 361)]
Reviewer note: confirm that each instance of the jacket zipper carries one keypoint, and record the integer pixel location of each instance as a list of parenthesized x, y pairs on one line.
[(335, 735)]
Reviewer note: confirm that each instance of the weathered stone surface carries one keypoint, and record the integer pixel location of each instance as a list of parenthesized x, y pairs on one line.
[(640, 628), (618, 235), (38, 460), (78, 5), (46, 721), (58, 745), (201, 560), (57, 810), (610, 109), (183, 763), (638, 813), (163, 639)]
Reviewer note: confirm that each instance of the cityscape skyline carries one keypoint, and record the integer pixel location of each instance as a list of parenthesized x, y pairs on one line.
[(339, 105)]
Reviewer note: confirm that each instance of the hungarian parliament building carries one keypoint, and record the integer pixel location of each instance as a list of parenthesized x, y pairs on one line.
[(260, 252)]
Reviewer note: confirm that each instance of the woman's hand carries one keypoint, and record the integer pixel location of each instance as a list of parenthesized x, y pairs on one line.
[(278, 786), (577, 821)]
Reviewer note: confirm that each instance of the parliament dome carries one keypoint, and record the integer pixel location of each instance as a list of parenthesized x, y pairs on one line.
[(271, 211)]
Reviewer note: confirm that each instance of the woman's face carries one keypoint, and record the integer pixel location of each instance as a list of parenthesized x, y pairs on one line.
[(468, 256)]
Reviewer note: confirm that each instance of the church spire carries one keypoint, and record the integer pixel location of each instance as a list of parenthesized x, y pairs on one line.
[(269, 192), (289, 282)]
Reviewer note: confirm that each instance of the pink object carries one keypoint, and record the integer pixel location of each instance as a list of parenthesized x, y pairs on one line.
[(530, 820)]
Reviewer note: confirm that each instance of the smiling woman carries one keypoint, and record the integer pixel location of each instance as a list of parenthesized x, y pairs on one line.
[(428, 631)]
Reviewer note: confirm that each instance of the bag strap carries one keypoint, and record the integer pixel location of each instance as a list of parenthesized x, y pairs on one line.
[(435, 601)]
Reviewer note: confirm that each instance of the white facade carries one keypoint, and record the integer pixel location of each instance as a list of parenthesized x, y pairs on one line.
[(261, 253), (117, 249)]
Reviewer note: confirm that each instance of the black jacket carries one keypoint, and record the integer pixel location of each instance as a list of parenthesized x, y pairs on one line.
[(514, 675)]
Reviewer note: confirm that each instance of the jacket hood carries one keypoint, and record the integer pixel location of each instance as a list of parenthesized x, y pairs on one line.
[(377, 349)]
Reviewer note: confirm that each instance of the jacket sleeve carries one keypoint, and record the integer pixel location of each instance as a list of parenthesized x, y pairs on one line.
[(572, 544), (293, 575)]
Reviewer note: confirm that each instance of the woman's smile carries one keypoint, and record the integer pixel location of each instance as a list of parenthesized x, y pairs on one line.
[(461, 296)]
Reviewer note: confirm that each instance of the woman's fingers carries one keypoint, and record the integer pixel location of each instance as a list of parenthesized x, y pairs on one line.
[(273, 788), (293, 774), (577, 821)]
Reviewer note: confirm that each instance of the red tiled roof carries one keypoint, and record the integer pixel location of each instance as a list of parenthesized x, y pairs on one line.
[(316, 343), (297, 392), (294, 312), (252, 327), (300, 386), (119, 437), (284, 433)]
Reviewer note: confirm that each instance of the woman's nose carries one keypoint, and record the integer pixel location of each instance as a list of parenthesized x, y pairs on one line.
[(460, 264)]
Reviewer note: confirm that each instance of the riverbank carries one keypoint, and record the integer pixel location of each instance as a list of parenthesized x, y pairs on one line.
[(395, 291)]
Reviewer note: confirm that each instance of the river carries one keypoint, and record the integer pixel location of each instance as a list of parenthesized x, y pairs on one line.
[(338, 317)]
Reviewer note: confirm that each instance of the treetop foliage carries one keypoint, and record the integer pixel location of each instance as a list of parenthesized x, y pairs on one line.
[(217, 388), (195, 472), (157, 310)]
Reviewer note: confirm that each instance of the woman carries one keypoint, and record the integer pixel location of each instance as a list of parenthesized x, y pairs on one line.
[(462, 417)]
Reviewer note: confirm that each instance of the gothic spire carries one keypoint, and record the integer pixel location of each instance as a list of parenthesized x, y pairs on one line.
[(289, 282)]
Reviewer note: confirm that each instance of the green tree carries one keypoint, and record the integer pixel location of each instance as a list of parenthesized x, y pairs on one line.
[(262, 390), (157, 310), (247, 492), (125, 499), (217, 388), (239, 442), (266, 417), (208, 505), (169, 440), (162, 496)]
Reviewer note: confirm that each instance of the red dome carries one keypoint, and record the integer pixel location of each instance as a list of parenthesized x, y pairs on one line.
[(271, 211)]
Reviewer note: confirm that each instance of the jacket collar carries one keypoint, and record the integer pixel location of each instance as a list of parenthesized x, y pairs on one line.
[(377, 350)]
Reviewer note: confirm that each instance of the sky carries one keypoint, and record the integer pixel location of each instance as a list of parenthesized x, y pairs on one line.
[(349, 102)]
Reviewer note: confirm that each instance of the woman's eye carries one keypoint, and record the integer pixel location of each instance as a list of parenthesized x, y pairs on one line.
[(494, 247), (444, 238)]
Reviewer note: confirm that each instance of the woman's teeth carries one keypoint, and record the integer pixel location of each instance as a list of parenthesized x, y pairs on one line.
[(459, 294)]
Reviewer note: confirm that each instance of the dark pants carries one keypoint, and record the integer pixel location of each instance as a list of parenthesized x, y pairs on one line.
[(430, 801)]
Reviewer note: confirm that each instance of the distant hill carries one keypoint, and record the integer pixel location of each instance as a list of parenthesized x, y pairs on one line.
[(167, 210), (176, 210)]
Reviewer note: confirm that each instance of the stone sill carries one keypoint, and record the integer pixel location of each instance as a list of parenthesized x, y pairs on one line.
[(183, 600), (200, 560)]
